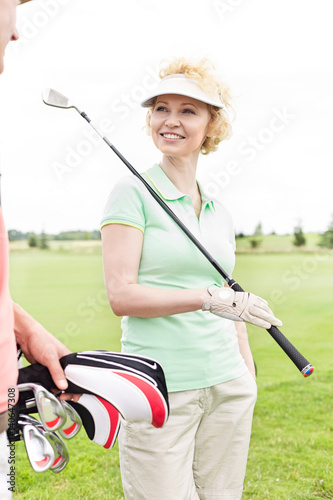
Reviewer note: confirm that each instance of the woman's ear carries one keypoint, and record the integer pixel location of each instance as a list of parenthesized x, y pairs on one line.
[(211, 129)]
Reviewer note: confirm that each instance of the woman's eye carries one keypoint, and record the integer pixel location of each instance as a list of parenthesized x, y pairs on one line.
[(160, 108), (188, 110)]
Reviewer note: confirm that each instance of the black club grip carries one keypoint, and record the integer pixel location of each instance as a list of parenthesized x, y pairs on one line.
[(296, 357)]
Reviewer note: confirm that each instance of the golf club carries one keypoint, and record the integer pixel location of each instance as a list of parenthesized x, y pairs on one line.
[(39, 450), (73, 423), (23, 419), (50, 409), (61, 455), (29, 419), (54, 98)]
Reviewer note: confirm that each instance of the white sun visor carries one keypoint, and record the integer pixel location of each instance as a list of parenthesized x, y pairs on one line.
[(181, 85)]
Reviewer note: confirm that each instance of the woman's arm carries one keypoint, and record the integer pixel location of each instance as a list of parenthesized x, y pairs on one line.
[(244, 347), (122, 246)]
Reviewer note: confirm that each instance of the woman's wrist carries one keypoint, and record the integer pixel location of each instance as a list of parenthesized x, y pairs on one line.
[(203, 297)]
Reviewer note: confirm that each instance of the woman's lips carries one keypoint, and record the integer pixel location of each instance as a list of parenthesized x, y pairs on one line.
[(172, 137)]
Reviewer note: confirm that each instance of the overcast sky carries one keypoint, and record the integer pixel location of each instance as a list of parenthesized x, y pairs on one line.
[(276, 56)]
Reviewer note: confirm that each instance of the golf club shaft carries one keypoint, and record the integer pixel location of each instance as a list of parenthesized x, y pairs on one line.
[(296, 357)]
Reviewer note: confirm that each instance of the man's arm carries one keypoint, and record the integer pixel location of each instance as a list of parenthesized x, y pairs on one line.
[(39, 346)]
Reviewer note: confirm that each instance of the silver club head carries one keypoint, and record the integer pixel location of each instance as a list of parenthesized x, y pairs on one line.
[(39, 450), (50, 409), (61, 455), (54, 98), (60, 451), (25, 420), (73, 423)]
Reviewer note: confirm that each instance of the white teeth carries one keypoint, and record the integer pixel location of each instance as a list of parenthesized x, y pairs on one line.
[(172, 136)]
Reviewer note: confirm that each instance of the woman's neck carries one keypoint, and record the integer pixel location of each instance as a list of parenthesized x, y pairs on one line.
[(181, 173)]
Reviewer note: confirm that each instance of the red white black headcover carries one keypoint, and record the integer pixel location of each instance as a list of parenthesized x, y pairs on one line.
[(134, 385), (100, 419)]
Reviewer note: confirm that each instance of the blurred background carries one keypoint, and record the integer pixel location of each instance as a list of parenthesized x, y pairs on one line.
[(276, 170)]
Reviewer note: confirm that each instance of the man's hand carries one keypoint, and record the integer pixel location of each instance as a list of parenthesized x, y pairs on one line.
[(240, 306), (43, 348)]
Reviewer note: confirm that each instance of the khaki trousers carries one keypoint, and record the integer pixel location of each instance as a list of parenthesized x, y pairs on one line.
[(200, 453)]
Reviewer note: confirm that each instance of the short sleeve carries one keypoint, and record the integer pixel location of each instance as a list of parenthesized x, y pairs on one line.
[(125, 205)]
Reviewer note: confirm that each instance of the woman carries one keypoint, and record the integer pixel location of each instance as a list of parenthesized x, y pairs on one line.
[(160, 283)]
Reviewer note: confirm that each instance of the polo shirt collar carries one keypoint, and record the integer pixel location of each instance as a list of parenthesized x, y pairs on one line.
[(168, 190), (205, 198)]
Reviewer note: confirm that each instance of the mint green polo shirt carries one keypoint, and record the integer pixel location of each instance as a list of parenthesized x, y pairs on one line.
[(196, 349)]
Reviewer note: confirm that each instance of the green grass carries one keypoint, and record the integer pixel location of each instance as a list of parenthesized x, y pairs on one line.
[(65, 292), (291, 449)]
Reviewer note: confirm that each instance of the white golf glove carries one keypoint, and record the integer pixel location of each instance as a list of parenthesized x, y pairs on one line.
[(240, 306)]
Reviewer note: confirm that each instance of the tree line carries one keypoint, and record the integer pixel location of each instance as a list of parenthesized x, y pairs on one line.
[(299, 238), (41, 240)]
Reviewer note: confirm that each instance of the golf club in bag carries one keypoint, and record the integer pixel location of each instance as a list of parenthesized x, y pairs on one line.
[(60, 453), (54, 98), (73, 422), (99, 418), (44, 447), (39, 449), (113, 386), (49, 408)]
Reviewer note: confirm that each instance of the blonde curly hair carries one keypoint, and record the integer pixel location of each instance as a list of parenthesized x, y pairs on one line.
[(203, 71)]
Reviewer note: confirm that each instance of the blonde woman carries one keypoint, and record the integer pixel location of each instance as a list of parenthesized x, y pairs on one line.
[(161, 284)]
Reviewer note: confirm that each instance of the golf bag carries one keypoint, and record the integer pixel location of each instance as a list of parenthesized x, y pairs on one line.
[(114, 386)]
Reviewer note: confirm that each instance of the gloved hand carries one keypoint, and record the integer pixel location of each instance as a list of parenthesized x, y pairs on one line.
[(240, 306)]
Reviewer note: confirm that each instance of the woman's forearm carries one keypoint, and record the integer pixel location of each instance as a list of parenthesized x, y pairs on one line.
[(122, 249), (148, 302)]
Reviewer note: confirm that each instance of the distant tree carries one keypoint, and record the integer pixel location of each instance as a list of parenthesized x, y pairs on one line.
[(14, 235), (95, 235), (43, 241), (78, 235), (255, 242), (327, 237), (299, 238), (258, 230), (240, 235), (32, 240)]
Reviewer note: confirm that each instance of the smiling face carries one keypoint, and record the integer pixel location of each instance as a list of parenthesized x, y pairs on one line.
[(179, 125), (7, 27)]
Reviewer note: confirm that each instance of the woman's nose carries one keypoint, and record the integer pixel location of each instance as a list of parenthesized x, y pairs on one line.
[(172, 120)]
